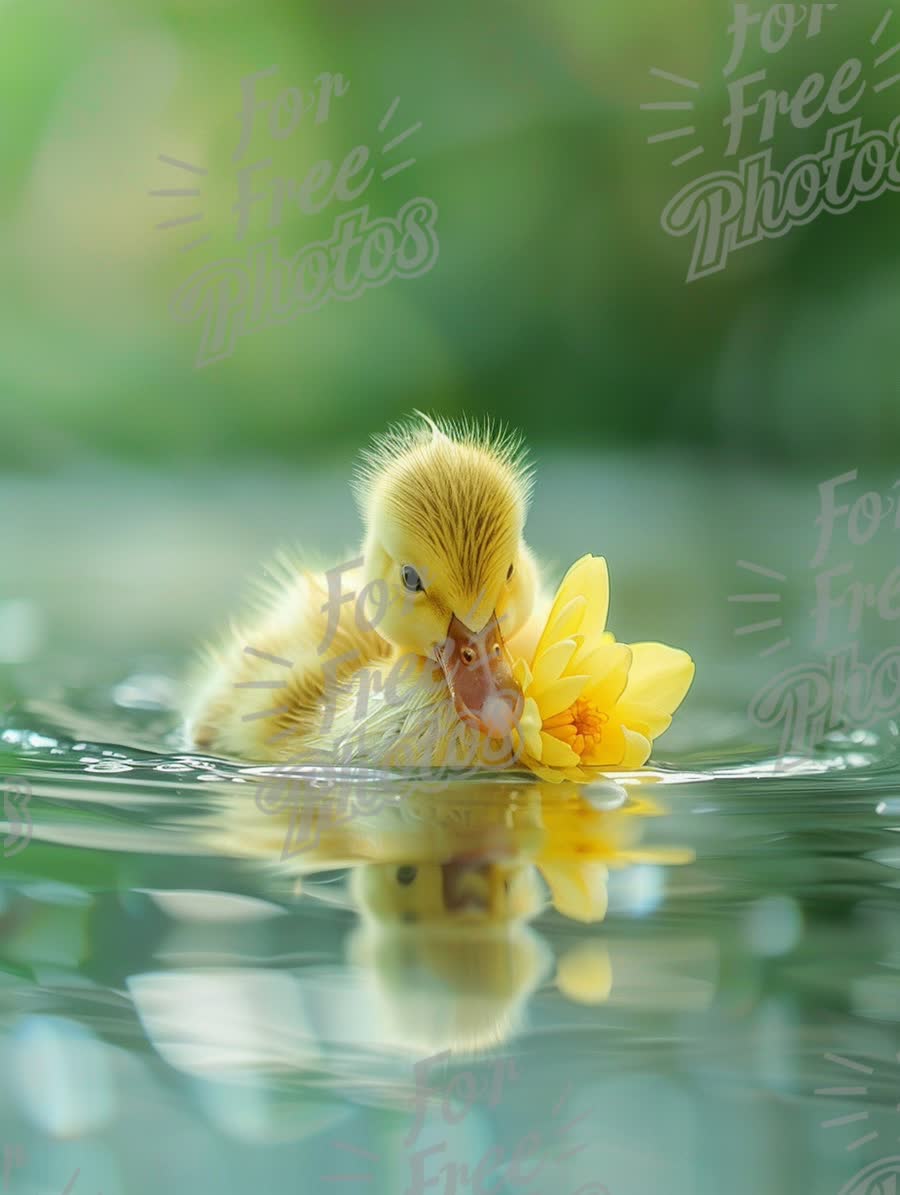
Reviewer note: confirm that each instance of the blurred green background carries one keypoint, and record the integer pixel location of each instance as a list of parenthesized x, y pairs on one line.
[(677, 427), (557, 302)]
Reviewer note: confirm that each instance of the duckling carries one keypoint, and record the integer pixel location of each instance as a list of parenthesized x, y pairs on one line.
[(403, 656)]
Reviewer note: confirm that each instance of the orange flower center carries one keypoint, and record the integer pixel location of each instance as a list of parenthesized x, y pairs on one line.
[(580, 726)]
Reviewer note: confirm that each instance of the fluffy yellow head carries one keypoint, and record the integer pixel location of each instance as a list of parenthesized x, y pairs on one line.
[(444, 509)]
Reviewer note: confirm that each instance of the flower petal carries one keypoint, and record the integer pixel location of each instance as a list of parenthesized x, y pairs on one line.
[(530, 727), (637, 749), (556, 754), (658, 680), (592, 579), (550, 664), (555, 775), (610, 751), (561, 624), (584, 974), (560, 695), (665, 673), (609, 670), (578, 890), (588, 578), (522, 674)]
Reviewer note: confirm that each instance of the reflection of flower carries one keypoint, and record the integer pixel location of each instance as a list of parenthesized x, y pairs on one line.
[(591, 702)]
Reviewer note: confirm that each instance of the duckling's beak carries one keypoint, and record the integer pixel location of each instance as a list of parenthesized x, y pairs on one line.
[(479, 673)]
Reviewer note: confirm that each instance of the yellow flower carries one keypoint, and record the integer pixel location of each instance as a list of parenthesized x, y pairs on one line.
[(590, 702)]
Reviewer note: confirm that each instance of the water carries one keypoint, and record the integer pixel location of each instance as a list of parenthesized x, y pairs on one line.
[(686, 980)]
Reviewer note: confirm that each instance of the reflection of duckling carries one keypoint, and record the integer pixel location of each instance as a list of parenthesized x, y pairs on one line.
[(449, 950), (464, 990), (443, 565), (446, 891), (328, 828), (462, 890), (550, 828)]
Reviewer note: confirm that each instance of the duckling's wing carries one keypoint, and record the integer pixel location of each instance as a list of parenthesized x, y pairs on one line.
[(260, 690)]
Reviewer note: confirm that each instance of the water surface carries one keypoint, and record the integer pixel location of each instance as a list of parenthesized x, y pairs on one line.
[(686, 979)]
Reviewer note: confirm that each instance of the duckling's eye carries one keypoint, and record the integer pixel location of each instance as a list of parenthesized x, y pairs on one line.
[(509, 573), (411, 579)]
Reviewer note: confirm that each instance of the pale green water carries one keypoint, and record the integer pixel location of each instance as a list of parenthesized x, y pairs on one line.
[(181, 1010)]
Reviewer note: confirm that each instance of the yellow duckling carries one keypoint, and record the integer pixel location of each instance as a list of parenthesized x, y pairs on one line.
[(402, 655)]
